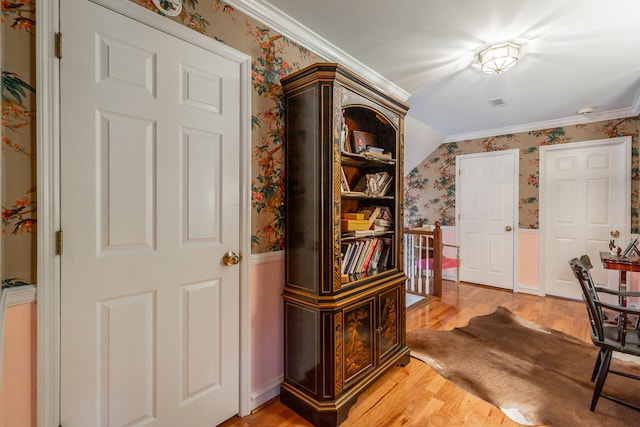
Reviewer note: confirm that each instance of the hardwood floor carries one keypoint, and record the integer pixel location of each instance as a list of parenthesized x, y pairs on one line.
[(415, 395)]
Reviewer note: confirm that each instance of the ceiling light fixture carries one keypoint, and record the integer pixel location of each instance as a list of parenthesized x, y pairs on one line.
[(498, 58)]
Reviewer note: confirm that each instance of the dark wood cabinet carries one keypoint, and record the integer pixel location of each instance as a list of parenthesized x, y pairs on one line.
[(344, 294)]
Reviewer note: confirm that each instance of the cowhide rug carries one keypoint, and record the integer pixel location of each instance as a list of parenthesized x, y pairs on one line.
[(535, 375)]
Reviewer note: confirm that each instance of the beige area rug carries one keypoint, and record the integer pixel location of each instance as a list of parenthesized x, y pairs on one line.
[(535, 375)]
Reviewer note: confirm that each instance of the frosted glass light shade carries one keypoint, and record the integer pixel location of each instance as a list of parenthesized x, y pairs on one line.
[(499, 58)]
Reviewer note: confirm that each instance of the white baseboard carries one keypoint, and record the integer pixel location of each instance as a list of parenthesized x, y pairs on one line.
[(449, 276), (529, 290), (265, 393), (20, 295), (266, 257)]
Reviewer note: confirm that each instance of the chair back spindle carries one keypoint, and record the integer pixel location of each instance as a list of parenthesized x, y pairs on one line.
[(609, 333)]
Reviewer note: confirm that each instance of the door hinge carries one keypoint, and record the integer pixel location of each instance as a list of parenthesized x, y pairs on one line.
[(58, 42), (59, 238)]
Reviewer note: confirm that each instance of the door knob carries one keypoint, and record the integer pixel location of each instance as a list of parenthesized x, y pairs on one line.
[(508, 228), (615, 234), (230, 258)]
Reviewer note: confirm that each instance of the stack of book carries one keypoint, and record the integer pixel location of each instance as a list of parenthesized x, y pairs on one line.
[(376, 152), (354, 222), (368, 221), (364, 255)]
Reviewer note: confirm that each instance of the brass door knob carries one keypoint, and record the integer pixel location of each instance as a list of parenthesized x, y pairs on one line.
[(230, 258), (615, 234), (508, 228)]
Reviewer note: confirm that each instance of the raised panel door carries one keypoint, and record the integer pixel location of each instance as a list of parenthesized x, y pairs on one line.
[(149, 316)]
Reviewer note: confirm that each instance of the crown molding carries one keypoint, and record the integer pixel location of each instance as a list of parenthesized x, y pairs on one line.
[(548, 124), (303, 36)]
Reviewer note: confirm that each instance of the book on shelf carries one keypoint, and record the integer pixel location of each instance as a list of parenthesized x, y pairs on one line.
[(385, 156), (354, 224), (381, 214), (344, 182), (355, 257), (363, 233), (370, 213), (362, 257), (346, 253), (376, 254), (353, 215), (346, 256), (372, 248), (366, 254), (386, 251), (384, 182), (367, 221), (385, 214), (383, 222), (350, 254), (374, 150)]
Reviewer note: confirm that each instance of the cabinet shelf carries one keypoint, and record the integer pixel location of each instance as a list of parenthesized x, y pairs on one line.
[(367, 275), (349, 238), (366, 159), (359, 195)]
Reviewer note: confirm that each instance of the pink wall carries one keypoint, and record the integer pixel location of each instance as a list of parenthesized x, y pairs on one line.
[(267, 324), (18, 406), (528, 260), (528, 265)]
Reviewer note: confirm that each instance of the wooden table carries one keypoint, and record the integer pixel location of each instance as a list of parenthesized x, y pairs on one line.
[(612, 262)]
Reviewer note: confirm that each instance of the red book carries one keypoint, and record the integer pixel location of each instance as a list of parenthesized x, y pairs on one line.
[(370, 253)]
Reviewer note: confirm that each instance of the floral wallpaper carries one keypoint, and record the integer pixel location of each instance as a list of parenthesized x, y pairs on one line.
[(274, 56), (430, 186), (18, 143)]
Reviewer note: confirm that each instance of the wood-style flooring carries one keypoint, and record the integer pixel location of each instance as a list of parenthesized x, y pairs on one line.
[(415, 395)]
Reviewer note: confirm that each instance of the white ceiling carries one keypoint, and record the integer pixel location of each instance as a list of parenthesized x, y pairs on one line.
[(574, 54)]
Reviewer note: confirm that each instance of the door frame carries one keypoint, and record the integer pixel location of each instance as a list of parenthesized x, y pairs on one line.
[(515, 157), (623, 140), (48, 192)]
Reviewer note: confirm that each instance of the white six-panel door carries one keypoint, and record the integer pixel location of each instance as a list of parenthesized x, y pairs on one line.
[(485, 207), (149, 205), (584, 201)]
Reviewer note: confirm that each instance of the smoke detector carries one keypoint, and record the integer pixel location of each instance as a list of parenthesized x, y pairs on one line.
[(498, 102)]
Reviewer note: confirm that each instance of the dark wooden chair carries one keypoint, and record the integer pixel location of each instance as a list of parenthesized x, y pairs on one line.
[(610, 331)]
